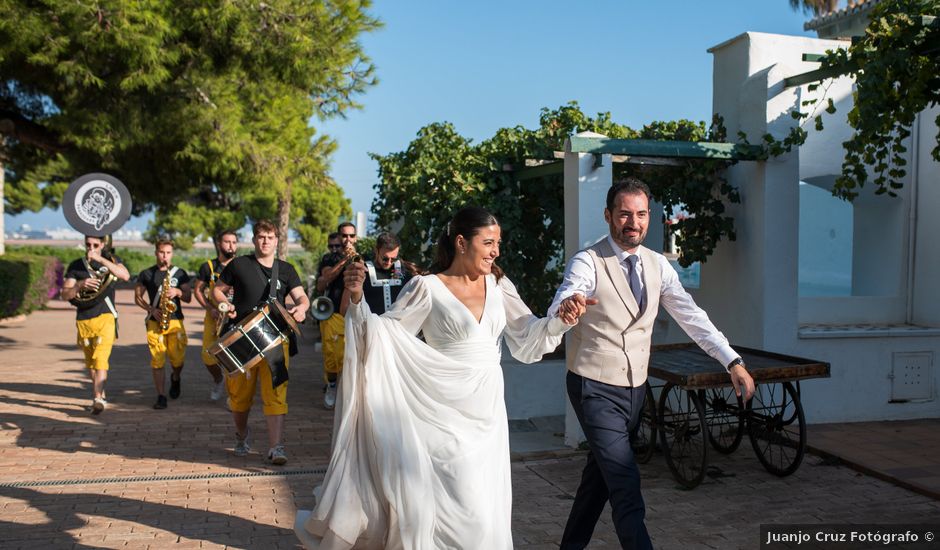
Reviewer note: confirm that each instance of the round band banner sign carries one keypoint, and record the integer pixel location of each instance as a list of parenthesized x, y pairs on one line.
[(97, 204)]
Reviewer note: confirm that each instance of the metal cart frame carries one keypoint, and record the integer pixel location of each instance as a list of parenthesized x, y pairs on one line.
[(697, 403)]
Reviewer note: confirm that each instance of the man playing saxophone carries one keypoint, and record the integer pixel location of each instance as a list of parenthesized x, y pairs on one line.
[(86, 287), (165, 285)]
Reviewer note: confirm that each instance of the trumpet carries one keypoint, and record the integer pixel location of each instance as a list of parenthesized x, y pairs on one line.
[(167, 305)]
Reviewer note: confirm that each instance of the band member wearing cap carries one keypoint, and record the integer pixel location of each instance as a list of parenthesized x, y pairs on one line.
[(227, 244), (386, 274), (165, 337), (248, 278), (96, 319), (333, 330)]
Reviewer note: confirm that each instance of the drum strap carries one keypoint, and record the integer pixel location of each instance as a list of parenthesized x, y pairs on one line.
[(107, 302), (275, 357)]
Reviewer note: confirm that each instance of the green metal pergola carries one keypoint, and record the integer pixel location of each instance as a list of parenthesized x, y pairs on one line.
[(644, 151)]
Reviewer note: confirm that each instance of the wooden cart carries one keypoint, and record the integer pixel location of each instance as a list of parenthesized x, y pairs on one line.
[(697, 403)]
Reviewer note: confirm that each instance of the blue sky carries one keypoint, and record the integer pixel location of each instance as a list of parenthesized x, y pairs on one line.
[(483, 65)]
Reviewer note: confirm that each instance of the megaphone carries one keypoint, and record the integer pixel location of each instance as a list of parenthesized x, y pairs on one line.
[(322, 308)]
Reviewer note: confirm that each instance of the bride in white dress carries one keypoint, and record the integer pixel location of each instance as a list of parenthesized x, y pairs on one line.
[(421, 444)]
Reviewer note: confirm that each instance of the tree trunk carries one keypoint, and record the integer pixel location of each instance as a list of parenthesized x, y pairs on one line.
[(2, 227), (283, 219)]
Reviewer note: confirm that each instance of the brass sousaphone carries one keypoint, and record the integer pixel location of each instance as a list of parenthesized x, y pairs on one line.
[(96, 204)]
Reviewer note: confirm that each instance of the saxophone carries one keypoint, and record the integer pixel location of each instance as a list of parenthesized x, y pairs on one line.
[(167, 305)]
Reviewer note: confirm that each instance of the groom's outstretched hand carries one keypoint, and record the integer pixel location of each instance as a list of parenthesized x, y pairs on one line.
[(573, 307)]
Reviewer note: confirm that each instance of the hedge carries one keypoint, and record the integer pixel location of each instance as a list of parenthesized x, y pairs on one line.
[(29, 281), (139, 259)]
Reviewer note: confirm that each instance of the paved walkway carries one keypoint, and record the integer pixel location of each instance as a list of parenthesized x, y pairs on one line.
[(134, 477)]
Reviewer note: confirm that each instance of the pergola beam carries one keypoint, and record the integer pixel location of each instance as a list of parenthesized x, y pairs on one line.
[(637, 148), (639, 151)]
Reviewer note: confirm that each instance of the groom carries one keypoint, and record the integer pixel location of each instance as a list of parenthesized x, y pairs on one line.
[(624, 284)]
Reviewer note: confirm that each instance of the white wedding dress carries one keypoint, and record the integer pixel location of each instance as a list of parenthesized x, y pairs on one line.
[(421, 442)]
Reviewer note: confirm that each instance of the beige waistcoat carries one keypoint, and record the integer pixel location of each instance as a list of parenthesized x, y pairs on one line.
[(611, 342)]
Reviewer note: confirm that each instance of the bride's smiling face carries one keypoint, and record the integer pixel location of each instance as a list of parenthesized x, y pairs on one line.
[(479, 253)]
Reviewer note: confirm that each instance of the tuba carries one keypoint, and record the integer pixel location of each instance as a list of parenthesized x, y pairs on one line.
[(105, 280), (103, 275), (167, 305), (96, 204)]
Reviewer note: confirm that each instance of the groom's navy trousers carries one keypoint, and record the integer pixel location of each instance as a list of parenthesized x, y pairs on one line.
[(608, 414)]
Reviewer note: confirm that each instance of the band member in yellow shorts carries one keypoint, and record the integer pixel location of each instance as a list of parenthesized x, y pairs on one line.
[(248, 278), (95, 318), (330, 284), (227, 244), (164, 285)]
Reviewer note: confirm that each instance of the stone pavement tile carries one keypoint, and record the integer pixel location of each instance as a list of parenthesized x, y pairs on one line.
[(47, 433), (725, 512)]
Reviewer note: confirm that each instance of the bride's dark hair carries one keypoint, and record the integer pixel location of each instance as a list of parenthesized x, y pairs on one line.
[(467, 222)]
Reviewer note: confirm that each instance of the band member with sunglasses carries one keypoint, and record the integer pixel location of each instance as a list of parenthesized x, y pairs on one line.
[(333, 330), (386, 274), (96, 318)]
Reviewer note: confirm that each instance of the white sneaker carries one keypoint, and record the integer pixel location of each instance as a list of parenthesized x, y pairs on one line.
[(329, 398), (242, 447), (98, 405), (277, 456), (218, 390)]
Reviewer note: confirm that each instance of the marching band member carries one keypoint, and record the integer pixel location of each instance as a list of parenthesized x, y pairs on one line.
[(386, 274), (165, 285), (227, 244), (248, 278), (332, 330), (95, 318)]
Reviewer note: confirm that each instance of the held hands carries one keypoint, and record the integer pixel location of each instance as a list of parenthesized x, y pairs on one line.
[(573, 307), (742, 382)]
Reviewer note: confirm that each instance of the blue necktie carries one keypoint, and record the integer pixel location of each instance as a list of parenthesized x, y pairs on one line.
[(635, 280)]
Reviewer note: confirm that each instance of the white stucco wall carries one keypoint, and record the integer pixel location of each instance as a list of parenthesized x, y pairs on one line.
[(749, 287)]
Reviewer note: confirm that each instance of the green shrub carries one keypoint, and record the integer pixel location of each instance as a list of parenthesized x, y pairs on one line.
[(139, 259), (29, 282)]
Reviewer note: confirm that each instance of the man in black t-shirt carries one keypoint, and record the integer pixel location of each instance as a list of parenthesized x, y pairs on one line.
[(96, 319), (386, 274), (226, 243), (248, 278), (333, 329), (166, 336)]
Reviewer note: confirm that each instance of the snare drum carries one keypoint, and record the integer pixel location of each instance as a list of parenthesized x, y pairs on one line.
[(245, 345)]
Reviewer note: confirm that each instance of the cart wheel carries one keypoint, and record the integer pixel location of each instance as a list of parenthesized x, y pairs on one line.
[(682, 432), (779, 445), (644, 439), (723, 413), (793, 416)]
